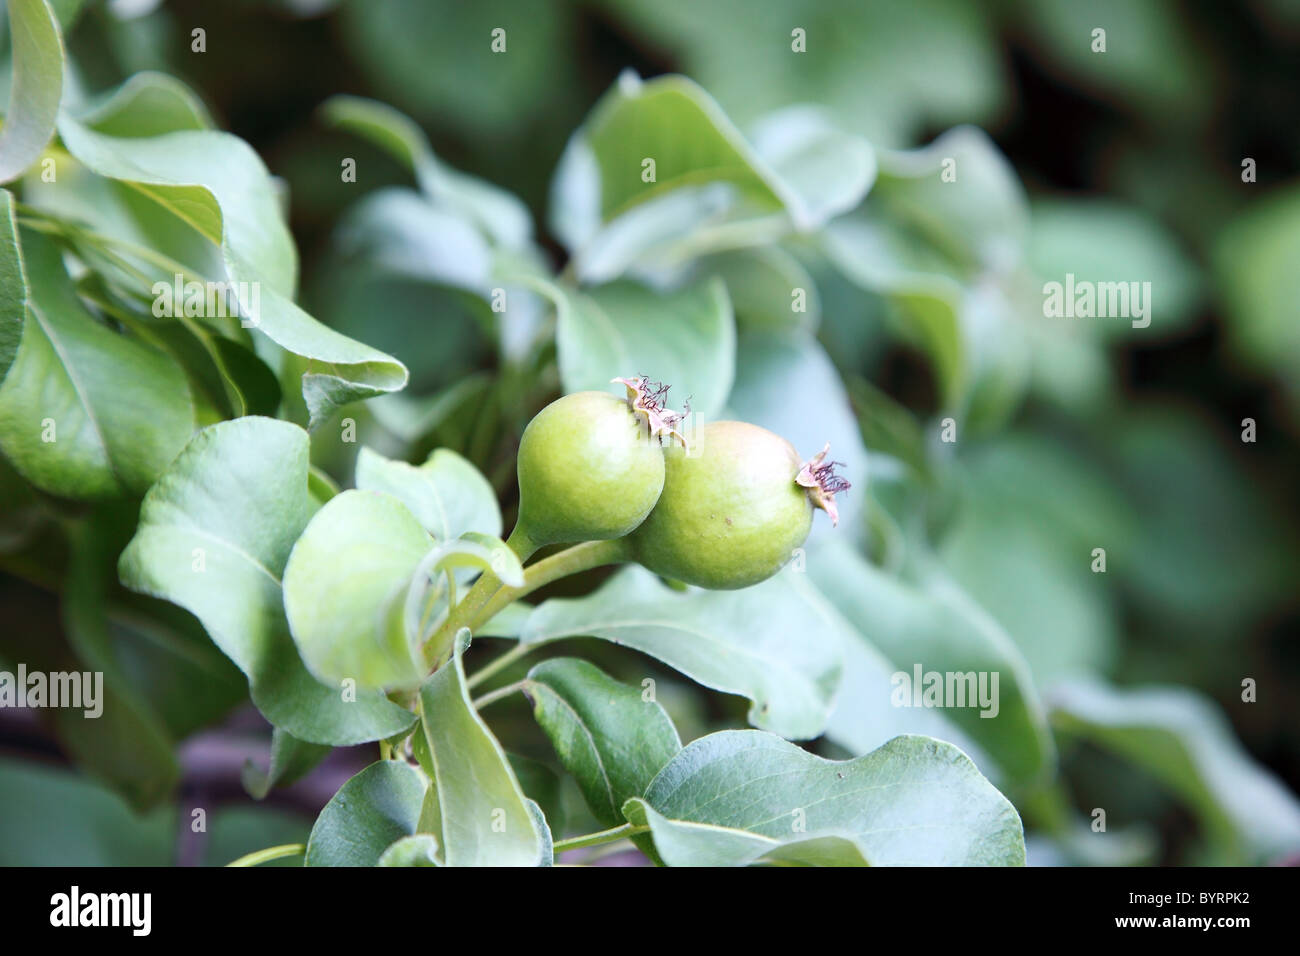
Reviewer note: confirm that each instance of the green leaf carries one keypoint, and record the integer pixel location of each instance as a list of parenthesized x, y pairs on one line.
[(373, 810), (36, 89), (447, 494), (1183, 740), (403, 233), (828, 170), (913, 802), (766, 643), (962, 194), (233, 503), (1021, 545), (84, 412), (216, 183), (685, 339), (56, 818), (501, 216), (1254, 265), (291, 760), (762, 283), (926, 304), (939, 629), (347, 617), (148, 104), (606, 734), (483, 815), (673, 121), (126, 744), (684, 843), (420, 849)]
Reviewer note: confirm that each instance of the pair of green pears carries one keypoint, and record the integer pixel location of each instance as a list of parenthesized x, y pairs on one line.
[(726, 513)]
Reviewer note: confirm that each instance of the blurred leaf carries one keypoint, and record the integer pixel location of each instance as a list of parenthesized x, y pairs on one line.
[(606, 734), (84, 412), (37, 86), (501, 216), (1151, 61), (828, 170), (938, 629), (373, 810), (403, 233), (762, 284), (418, 53), (884, 69), (1185, 742), (962, 194), (1021, 545), (233, 503), (927, 304), (1254, 265), (1234, 560), (914, 802), (764, 643), (447, 494), (55, 818), (347, 617), (219, 185), (483, 814), (685, 339)]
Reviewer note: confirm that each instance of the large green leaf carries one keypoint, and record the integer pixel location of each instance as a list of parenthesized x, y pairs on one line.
[(217, 184), (233, 503), (347, 616), (1185, 742), (483, 816), (608, 736), (685, 339), (84, 411), (373, 810), (939, 629), (913, 802), (447, 494), (37, 85), (768, 643), (674, 122)]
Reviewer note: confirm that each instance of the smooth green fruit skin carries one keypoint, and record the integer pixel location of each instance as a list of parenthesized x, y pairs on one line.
[(588, 471), (732, 516)]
